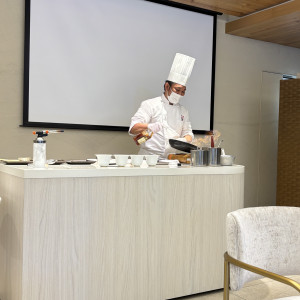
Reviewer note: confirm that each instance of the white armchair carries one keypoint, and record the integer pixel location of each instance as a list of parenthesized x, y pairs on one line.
[(262, 241)]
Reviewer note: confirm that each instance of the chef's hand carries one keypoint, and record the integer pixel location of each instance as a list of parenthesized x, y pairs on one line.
[(155, 127), (184, 139)]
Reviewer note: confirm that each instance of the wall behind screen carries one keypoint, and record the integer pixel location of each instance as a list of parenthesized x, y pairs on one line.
[(92, 62)]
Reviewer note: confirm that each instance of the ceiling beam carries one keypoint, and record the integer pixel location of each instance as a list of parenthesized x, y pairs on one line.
[(279, 24)]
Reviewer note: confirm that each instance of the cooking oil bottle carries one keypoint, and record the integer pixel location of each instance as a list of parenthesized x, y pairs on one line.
[(143, 137)]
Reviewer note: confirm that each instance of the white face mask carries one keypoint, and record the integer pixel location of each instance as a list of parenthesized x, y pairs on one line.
[(174, 98)]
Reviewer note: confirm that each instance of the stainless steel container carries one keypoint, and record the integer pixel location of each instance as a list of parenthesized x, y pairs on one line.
[(214, 156), (199, 158)]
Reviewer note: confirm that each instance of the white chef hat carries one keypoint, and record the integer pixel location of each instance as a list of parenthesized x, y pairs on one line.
[(181, 68)]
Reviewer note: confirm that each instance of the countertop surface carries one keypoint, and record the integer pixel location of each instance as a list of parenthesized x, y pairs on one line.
[(93, 170)]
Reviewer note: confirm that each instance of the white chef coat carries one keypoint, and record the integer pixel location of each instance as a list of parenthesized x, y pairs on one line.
[(175, 120)]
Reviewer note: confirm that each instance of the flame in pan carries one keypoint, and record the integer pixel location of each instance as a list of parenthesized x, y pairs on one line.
[(205, 141)]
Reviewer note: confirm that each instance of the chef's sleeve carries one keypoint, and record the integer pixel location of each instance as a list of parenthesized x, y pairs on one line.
[(187, 127), (143, 115)]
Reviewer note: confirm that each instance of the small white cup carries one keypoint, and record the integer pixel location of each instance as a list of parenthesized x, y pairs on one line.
[(137, 160), (227, 160), (103, 159), (121, 159), (173, 163), (151, 159)]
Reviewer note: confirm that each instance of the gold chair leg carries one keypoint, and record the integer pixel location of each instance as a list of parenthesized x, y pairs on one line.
[(226, 280)]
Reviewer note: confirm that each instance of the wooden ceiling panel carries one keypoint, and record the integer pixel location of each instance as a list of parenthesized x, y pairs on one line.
[(233, 7), (276, 21)]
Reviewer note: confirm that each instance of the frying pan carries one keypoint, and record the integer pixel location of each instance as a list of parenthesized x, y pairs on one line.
[(182, 146)]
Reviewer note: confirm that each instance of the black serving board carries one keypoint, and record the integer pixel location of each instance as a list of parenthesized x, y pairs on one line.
[(79, 162), (15, 162)]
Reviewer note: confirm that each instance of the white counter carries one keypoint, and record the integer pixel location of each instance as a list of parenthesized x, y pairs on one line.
[(65, 170), (117, 233)]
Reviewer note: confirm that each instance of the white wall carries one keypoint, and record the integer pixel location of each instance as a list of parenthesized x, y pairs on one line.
[(240, 63), (239, 66)]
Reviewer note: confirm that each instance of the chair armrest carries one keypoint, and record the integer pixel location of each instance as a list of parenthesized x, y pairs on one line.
[(262, 272)]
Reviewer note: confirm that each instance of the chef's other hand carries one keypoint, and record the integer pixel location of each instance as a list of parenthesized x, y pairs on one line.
[(155, 127)]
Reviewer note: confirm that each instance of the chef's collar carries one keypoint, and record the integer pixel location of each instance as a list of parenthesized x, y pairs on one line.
[(166, 101)]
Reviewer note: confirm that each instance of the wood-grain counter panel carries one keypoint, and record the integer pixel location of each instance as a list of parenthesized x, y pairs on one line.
[(120, 238)]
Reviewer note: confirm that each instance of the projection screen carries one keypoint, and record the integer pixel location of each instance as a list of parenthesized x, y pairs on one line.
[(90, 63)]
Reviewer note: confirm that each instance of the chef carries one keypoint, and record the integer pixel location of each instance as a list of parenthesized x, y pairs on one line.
[(164, 115)]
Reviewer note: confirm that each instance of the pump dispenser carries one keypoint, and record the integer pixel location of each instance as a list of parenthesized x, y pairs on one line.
[(39, 148)]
